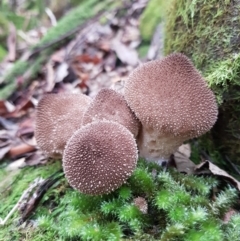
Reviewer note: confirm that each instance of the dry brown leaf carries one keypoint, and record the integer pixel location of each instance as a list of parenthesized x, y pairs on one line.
[(216, 171), (182, 161), (4, 150), (3, 108), (58, 56), (124, 53), (35, 158), (85, 58), (20, 150)]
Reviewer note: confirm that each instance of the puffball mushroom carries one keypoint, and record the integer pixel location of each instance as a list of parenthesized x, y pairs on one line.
[(100, 157), (173, 103), (111, 105), (58, 116)]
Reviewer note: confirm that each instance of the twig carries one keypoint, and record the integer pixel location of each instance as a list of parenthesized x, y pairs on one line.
[(232, 165), (36, 197), (51, 16), (25, 193)]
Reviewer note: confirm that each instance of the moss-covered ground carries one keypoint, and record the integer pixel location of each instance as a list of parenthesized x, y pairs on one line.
[(195, 210)]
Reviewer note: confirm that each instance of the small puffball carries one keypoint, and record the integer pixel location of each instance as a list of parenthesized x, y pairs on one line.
[(58, 116), (111, 105), (100, 157)]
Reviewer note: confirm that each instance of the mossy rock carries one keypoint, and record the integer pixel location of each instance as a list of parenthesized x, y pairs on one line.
[(208, 32)]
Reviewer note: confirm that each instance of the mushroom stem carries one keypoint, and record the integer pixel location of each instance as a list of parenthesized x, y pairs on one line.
[(157, 146)]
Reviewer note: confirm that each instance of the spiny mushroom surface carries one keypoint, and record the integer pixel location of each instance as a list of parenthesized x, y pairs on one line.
[(99, 157), (173, 103), (58, 116), (111, 105)]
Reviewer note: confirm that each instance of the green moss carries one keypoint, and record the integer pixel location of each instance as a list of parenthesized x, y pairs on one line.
[(151, 17), (73, 19), (203, 30), (180, 207), (18, 70), (3, 52)]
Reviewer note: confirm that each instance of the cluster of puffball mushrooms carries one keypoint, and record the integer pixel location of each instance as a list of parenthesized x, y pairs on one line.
[(165, 103)]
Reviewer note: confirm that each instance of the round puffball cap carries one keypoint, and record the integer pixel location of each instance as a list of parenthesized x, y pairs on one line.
[(99, 157), (58, 116), (111, 105), (170, 95)]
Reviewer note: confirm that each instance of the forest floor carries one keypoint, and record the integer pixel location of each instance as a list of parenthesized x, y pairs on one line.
[(100, 52)]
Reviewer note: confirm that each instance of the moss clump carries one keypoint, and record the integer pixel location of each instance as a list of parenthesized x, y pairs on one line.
[(10, 78), (208, 32), (154, 13), (180, 207), (73, 19), (203, 30), (150, 19)]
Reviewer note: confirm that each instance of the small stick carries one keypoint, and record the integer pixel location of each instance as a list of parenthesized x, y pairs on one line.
[(35, 183), (232, 165)]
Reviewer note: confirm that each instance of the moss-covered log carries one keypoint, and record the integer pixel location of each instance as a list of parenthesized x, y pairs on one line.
[(208, 32)]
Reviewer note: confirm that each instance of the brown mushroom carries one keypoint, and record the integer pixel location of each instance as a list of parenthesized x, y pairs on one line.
[(111, 105), (99, 157), (173, 103), (58, 116)]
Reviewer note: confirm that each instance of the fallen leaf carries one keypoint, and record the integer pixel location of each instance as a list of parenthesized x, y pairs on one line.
[(110, 62), (20, 163), (61, 72), (6, 107), (58, 56), (85, 58), (35, 158), (3, 108), (207, 165), (182, 161), (20, 150), (7, 124), (124, 53), (4, 150)]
